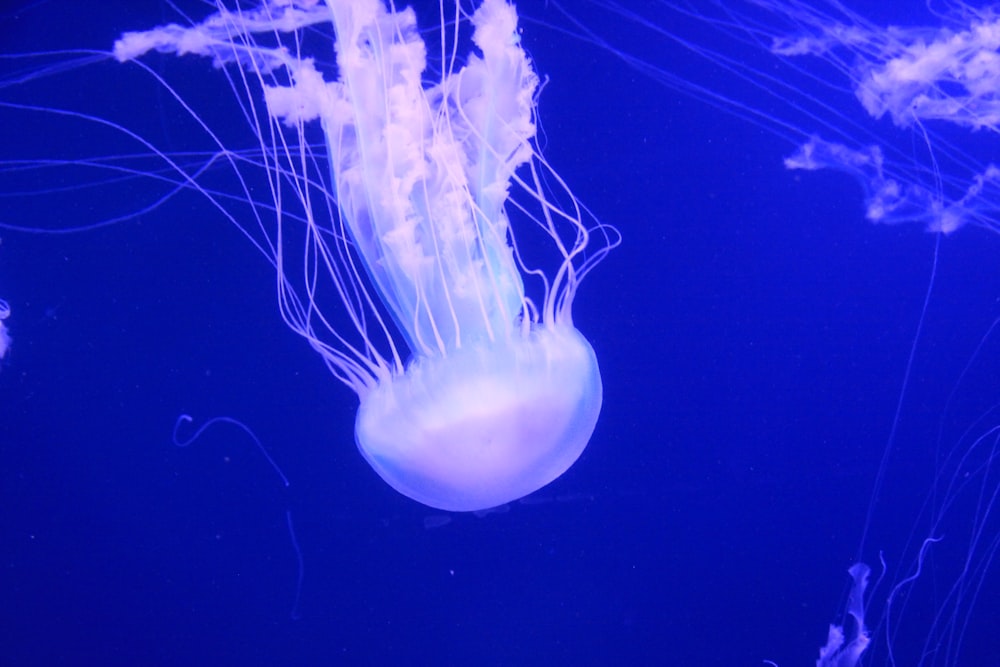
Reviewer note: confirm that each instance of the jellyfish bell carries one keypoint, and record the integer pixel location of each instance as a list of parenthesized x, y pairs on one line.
[(402, 216), (486, 424)]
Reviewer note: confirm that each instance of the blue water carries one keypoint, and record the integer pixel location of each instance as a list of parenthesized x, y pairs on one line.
[(753, 330)]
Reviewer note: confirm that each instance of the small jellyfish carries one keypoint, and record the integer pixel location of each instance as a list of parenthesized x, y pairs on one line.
[(4, 335), (845, 645)]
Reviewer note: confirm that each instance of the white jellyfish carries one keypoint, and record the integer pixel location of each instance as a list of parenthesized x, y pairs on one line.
[(397, 212)]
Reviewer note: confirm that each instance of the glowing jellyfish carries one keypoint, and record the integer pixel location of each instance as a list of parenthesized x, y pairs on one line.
[(914, 76), (411, 236), (803, 70), (4, 335)]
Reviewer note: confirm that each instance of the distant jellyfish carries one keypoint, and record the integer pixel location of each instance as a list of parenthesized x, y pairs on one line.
[(405, 214), (916, 77), (4, 334), (846, 644), (829, 82)]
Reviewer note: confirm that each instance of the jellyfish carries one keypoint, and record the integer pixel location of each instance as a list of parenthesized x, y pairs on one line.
[(392, 200), (826, 80), (4, 335), (843, 650), (915, 77)]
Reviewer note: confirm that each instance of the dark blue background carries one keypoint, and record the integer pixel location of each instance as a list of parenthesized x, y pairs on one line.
[(752, 330)]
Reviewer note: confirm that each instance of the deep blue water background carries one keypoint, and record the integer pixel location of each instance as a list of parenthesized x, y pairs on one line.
[(752, 330)]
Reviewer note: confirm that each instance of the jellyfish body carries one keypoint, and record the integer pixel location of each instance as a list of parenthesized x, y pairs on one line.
[(485, 425), (409, 230)]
